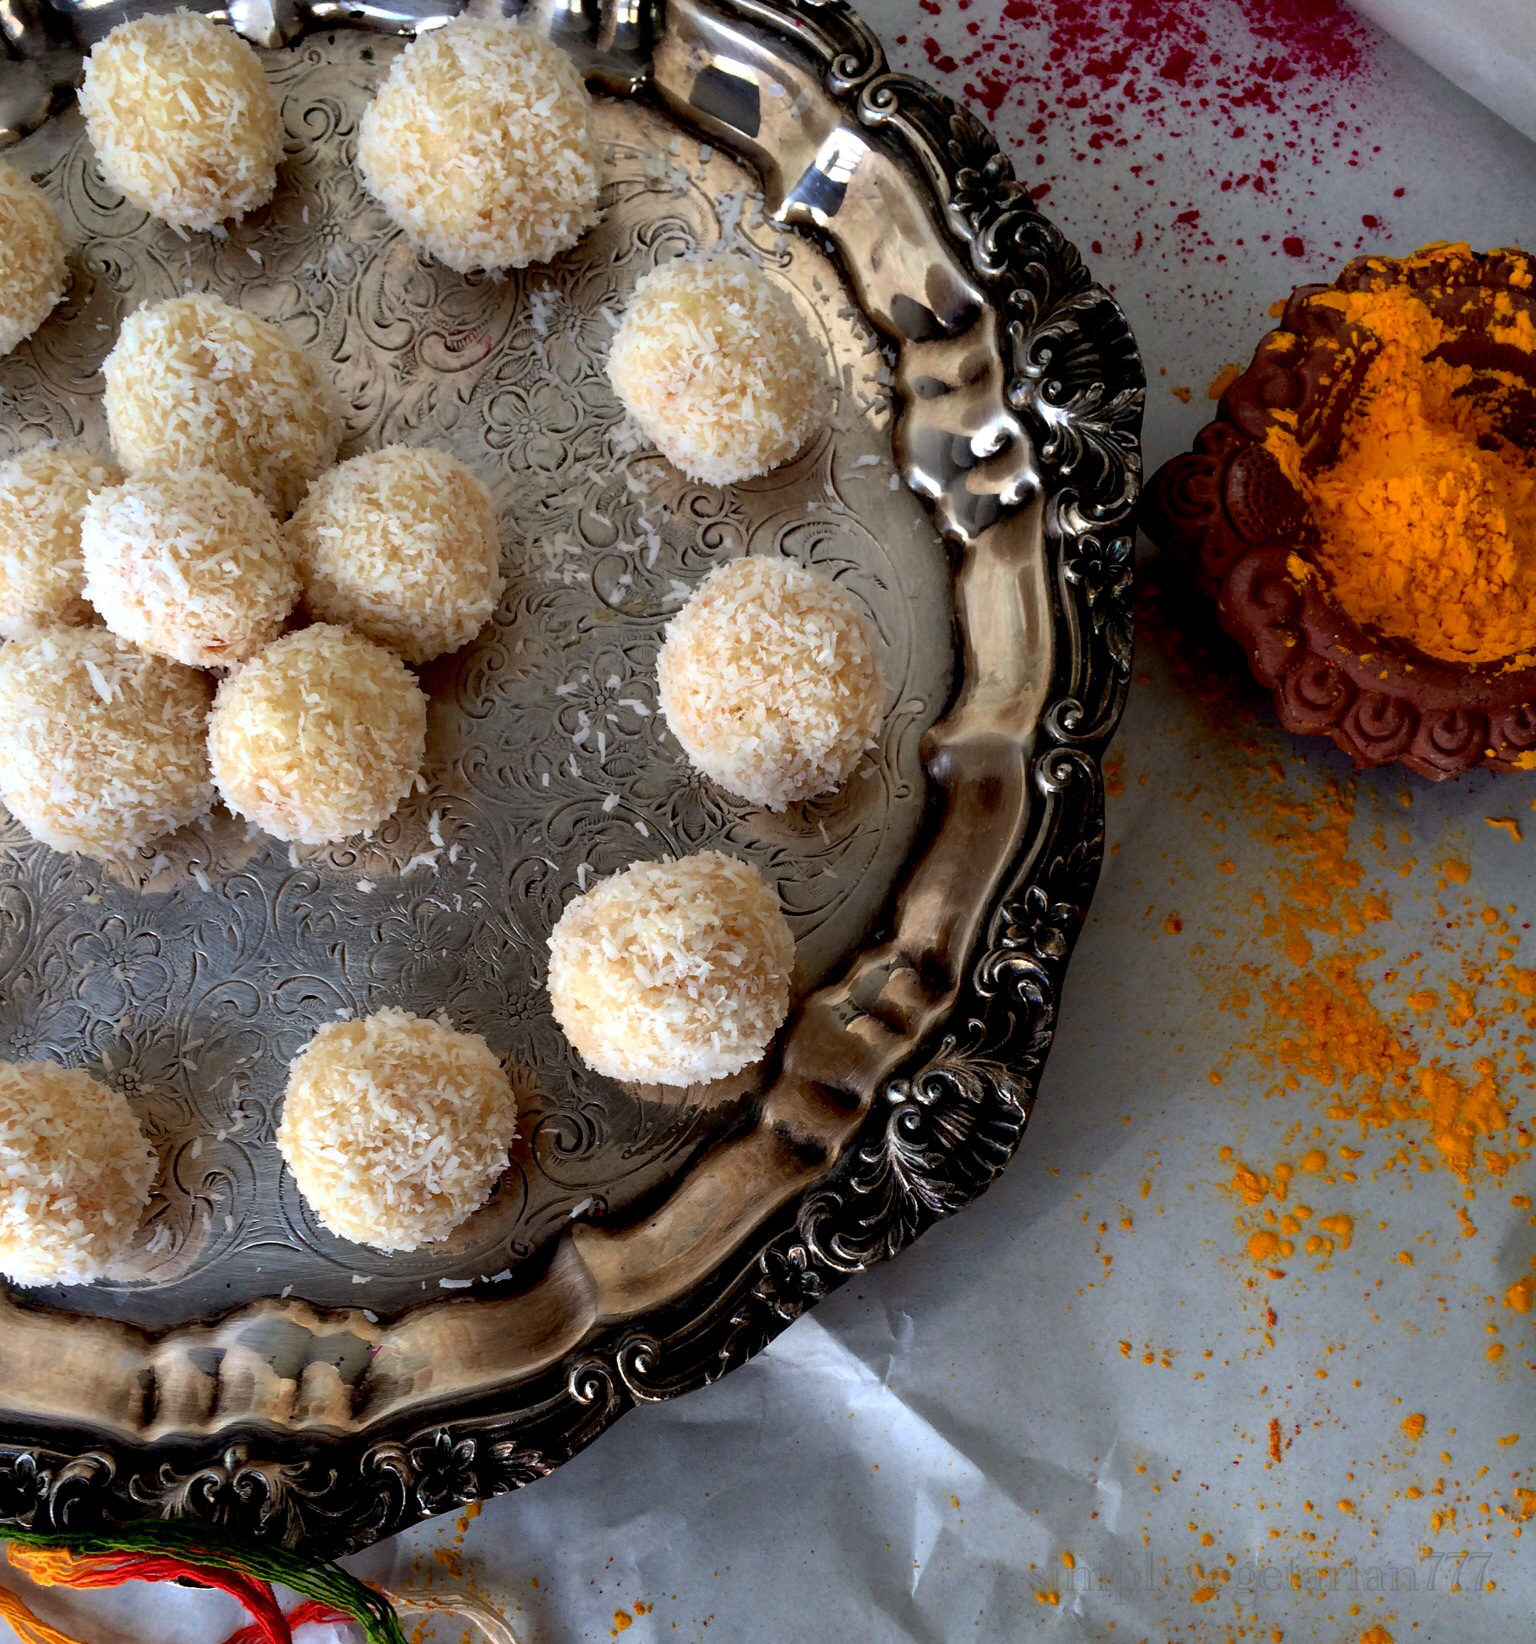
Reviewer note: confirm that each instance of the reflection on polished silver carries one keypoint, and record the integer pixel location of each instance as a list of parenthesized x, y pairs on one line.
[(641, 1245)]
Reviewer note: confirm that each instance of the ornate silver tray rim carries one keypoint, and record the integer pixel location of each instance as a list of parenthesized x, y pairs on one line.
[(1020, 400)]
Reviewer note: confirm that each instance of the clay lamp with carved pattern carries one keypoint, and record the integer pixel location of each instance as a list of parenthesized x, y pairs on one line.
[(1244, 507)]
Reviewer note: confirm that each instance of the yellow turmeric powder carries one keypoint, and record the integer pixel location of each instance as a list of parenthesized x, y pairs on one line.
[(1425, 516)]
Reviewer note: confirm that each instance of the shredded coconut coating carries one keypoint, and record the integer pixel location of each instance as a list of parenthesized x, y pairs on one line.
[(194, 383), (43, 494), (672, 972), (182, 120), (480, 146), (401, 545), (75, 1175), (716, 365), (768, 679), (32, 271), (320, 737), (188, 565), (396, 1129), (101, 745)]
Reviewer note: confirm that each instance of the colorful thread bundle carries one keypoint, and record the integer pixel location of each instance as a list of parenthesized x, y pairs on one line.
[(174, 1552)]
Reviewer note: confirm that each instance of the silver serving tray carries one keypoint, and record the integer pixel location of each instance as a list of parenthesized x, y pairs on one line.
[(975, 488)]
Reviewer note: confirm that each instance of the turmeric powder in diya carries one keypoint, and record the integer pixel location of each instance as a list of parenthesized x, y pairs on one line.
[(1425, 516)]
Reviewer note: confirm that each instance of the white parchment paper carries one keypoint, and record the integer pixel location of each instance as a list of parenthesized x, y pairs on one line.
[(1033, 1382), (1488, 47)]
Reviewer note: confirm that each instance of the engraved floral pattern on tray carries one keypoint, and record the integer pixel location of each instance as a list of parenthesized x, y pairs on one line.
[(191, 977)]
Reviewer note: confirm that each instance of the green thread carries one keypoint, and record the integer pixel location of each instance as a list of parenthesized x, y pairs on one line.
[(328, 1583)]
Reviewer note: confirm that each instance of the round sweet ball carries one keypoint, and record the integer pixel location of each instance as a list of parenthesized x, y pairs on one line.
[(396, 1129), (480, 146), (32, 271), (401, 545), (102, 746), (43, 494), (75, 1175), (768, 679), (194, 383), (716, 365), (182, 119), (188, 565), (672, 972), (320, 737)]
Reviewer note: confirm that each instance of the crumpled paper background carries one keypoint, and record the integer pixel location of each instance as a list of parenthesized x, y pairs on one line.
[(1055, 1412), (1488, 47)]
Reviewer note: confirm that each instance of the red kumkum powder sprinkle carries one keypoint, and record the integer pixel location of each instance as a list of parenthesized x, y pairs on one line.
[(1135, 86)]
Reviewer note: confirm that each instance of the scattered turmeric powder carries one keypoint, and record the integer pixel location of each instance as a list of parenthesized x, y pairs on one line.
[(1389, 1063), (1114, 775), (1266, 1247), (1341, 1228), (1425, 514)]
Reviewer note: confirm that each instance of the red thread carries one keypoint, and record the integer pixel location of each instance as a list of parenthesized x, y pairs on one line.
[(311, 1613)]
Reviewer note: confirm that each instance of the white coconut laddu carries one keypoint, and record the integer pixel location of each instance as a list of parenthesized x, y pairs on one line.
[(672, 972), (102, 746), (182, 120), (480, 146), (75, 1175), (43, 494), (319, 737), (395, 1128), (716, 365), (400, 544), (194, 383), (32, 267), (768, 678), (188, 565)]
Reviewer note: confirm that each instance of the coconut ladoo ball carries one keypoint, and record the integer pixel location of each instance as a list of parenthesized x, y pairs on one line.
[(768, 679), (75, 1175), (480, 146), (182, 119), (194, 383), (102, 746), (672, 972), (320, 737), (714, 362), (401, 545), (396, 1129), (43, 494), (32, 271), (188, 565)]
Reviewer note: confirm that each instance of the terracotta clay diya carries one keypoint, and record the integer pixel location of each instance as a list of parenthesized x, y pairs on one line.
[(1245, 529)]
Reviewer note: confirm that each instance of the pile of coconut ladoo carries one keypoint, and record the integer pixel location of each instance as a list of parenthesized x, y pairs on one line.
[(219, 612)]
